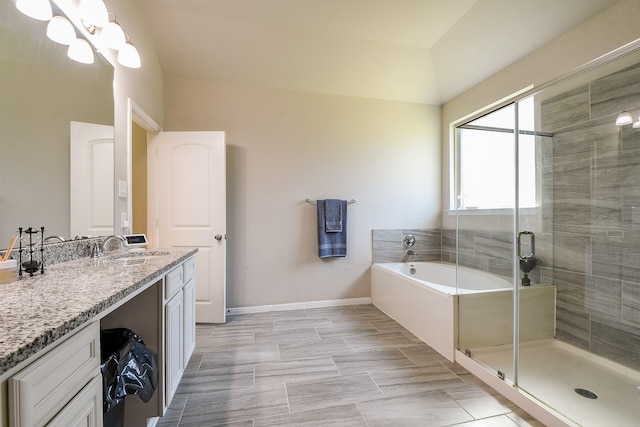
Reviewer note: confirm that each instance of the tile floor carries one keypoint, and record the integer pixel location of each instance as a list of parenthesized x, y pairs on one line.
[(338, 366)]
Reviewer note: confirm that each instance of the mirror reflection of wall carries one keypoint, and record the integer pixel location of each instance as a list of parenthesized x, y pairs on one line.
[(139, 179), (41, 92)]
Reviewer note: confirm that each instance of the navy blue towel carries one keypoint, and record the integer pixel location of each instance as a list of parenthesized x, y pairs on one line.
[(333, 243), (332, 216)]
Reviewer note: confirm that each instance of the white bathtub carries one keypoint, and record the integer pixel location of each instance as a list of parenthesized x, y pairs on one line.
[(442, 277), (426, 303)]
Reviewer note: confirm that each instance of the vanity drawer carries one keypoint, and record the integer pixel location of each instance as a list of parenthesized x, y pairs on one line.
[(39, 391), (173, 282), (189, 269)]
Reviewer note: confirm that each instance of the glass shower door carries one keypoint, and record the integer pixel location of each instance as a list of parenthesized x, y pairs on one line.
[(485, 216)]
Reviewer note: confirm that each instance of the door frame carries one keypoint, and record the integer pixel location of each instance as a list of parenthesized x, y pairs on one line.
[(135, 114)]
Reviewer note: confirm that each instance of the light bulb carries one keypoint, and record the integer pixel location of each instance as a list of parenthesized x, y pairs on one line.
[(112, 36), (129, 57), (80, 50), (623, 119), (93, 13), (36, 9), (60, 30)]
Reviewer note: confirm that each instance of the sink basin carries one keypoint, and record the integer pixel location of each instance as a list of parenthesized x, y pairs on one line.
[(139, 255)]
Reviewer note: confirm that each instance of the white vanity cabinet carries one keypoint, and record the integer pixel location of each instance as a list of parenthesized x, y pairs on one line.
[(64, 384), (179, 324), (189, 312)]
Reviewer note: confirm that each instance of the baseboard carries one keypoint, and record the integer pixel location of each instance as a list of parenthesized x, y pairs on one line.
[(298, 306)]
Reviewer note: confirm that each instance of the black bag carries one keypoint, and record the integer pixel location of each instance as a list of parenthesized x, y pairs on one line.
[(128, 367)]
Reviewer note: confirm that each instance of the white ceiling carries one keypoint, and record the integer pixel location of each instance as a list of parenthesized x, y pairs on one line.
[(425, 51)]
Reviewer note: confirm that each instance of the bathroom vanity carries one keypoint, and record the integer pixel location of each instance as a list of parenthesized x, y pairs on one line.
[(50, 334)]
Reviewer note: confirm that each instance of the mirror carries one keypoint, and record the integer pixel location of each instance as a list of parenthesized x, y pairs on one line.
[(41, 92)]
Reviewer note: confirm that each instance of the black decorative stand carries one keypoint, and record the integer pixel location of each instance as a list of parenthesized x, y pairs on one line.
[(30, 238)]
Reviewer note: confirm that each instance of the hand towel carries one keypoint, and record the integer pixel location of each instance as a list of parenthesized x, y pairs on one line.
[(332, 216), (332, 244)]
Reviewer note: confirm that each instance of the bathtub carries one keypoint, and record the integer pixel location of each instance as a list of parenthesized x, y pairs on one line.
[(427, 302)]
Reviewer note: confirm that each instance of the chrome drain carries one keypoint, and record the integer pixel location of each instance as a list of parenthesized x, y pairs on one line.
[(586, 393)]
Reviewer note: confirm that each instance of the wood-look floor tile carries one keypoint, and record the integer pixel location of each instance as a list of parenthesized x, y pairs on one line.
[(432, 408), (472, 388), (523, 419), (226, 378), (388, 325), (174, 412), (423, 355), (395, 382), (195, 360), (316, 394), (226, 406), (367, 309), (225, 340), (499, 421), (239, 356), (488, 406), (337, 416), (295, 371), (245, 326), (302, 350), (301, 323), (283, 314), (337, 366), (234, 317), (204, 329), (330, 311), (390, 339), (283, 337), (345, 330), (370, 360)]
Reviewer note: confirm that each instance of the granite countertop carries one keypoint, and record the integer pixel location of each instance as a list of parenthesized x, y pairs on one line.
[(36, 311)]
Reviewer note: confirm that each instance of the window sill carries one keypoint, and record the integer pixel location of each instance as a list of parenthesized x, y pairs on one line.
[(492, 211)]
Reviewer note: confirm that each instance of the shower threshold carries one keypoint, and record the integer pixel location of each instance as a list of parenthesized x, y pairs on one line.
[(551, 371)]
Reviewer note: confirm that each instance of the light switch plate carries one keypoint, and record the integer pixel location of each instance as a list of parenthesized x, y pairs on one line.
[(122, 188)]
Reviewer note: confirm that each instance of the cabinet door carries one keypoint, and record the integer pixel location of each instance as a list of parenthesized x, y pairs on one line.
[(189, 295), (45, 386), (84, 410), (174, 351)]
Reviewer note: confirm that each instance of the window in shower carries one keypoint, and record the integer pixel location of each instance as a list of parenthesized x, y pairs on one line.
[(486, 168)]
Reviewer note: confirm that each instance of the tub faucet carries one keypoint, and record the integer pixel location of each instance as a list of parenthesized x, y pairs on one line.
[(413, 254)]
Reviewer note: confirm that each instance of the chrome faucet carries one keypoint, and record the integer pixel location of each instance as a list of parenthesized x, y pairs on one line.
[(413, 254), (105, 244), (51, 238)]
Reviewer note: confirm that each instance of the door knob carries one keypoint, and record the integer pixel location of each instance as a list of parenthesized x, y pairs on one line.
[(218, 237)]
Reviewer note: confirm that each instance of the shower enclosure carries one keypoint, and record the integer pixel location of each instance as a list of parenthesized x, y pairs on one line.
[(547, 192)]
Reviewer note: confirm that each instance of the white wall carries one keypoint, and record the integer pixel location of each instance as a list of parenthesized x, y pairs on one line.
[(614, 27), (284, 147)]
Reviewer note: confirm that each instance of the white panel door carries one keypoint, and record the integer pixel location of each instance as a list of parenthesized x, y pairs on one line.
[(188, 200), (91, 180)]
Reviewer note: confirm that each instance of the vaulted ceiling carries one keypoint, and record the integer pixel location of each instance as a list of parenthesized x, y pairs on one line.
[(424, 51)]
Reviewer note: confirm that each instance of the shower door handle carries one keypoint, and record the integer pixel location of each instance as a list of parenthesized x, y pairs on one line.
[(533, 245)]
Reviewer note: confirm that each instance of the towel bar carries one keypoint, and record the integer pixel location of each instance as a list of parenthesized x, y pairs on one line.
[(313, 202)]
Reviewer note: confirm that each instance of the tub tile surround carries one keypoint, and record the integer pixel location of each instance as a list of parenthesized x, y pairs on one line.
[(388, 245), (482, 250), (595, 200)]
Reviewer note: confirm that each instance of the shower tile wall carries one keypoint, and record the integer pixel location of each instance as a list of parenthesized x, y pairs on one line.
[(482, 250), (595, 199)]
